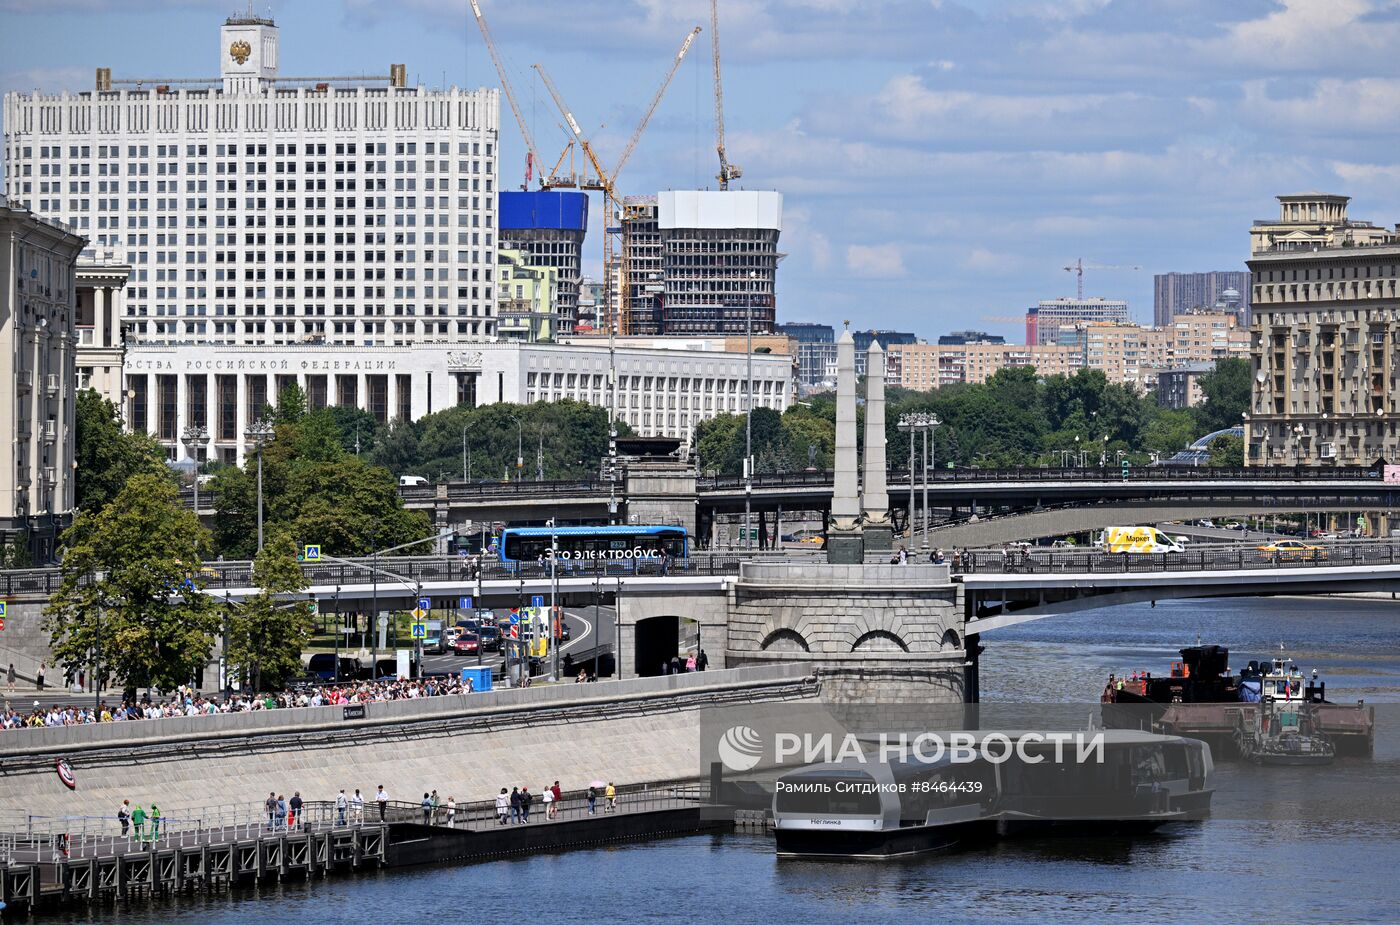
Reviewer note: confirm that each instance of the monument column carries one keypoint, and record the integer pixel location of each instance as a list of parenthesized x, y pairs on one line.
[(844, 544), (879, 534)]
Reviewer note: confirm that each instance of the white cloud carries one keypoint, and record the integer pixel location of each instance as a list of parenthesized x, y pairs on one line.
[(872, 261), (1367, 106)]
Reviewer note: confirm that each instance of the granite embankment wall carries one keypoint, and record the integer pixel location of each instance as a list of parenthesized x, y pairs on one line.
[(469, 747)]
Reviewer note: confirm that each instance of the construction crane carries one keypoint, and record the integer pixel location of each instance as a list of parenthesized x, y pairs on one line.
[(531, 157), (607, 182), (727, 171), (1079, 266)]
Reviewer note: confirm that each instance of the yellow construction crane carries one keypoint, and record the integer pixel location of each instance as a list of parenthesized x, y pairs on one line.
[(607, 182), (532, 158), (1079, 266), (727, 171)]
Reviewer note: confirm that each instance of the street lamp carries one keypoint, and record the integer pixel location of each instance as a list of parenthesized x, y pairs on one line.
[(748, 416), (194, 438), (925, 423), (1297, 444), (466, 453), (261, 434), (539, 457), (519, 448)]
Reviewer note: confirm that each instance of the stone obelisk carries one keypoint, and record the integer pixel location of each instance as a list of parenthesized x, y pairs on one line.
[(844, 545), (875, 499)]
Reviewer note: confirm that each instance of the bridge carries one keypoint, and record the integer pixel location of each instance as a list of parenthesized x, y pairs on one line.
[(972, 507), (1006, 589), (773, 607)]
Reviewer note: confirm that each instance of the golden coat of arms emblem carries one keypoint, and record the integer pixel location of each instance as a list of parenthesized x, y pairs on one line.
[(240, 51)]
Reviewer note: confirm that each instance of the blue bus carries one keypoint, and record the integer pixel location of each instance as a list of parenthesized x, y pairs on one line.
[(593, 545)]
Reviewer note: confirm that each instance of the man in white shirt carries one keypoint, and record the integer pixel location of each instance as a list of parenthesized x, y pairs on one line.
[(357, 807), (382, 799)]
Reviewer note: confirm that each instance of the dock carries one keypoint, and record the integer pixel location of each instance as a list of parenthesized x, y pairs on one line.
[(46, 862)]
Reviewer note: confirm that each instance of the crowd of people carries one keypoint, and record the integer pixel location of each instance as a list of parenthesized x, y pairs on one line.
[(188, 702)]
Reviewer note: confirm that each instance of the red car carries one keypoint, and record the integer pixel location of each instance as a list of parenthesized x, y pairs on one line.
[(466, 644)]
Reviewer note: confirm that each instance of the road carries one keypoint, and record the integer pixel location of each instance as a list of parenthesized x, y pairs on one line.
[(583, 637)]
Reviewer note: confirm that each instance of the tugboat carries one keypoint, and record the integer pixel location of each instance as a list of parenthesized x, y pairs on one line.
[(1283, 729), (1202, 699)]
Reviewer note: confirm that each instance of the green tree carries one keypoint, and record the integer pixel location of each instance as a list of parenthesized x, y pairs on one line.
[(1227, 450), (266, 634), (137, 563), (291, 405), (105, 456), (316, 491), (1226, 389)]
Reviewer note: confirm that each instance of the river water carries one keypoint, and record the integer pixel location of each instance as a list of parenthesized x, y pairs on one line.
[(1283, 845)]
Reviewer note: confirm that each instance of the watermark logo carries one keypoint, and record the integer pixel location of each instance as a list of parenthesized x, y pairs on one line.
[(740, 748)]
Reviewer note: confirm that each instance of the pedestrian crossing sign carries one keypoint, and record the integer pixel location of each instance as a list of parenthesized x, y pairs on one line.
[(311, 553), (419, 630), (2, 608)]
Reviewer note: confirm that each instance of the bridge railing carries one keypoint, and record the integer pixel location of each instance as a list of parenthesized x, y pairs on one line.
[(898, 476), (1034, 561)]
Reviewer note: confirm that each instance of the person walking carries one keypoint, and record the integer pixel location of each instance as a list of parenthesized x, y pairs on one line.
[(138, 822), (382, 799), (124, 815), (690, 662), (39, 675), (270, 804), (10, 678), (548, 797), (702, 661), (592, 800), (155, 822), (502, 807), (427, 805), (515, 805), (611, 794), (294, 810), (281, 811), (451, 812), (341, 805), (357, 807), (436, 802), (526, 798), (558, 796)]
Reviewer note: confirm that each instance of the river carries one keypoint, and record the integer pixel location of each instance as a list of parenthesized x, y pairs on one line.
[(1283, 845)]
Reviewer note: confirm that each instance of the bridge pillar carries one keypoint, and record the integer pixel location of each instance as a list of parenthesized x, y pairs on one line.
[(872, 633)]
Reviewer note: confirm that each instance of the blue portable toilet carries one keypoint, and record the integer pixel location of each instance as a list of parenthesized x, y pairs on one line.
[(480, 677)]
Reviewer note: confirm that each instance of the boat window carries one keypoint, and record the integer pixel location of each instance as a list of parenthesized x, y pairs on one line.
[(1174, 761), (838, 794)]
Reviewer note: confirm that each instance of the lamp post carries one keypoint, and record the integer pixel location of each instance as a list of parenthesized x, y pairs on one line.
[(519, 448), (554, 637), (260, 433), (1297, 444), (466, 453), (919, 422), (194, 438), (539, 457), (748, 416)]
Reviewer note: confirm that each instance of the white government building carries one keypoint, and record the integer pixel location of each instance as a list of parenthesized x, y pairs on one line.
[(327, 231)]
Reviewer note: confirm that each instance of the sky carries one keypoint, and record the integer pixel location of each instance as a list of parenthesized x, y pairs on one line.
[(941, 161)]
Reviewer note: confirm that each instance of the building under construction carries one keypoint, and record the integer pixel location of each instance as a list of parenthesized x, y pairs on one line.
[(701, 261), (547, 227)]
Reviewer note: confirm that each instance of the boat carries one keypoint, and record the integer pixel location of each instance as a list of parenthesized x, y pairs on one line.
[(1200, 697), (1019, 783), (1283, 728), (874, 810)]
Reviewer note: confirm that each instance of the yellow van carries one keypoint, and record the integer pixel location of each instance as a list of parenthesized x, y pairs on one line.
[(1139, 539)]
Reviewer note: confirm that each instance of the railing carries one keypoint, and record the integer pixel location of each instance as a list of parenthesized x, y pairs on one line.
[(1111, 473), (1018, 561), (26, 838)]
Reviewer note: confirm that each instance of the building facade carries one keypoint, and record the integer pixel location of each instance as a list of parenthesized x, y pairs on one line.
[(1044, 320), (548, 228), (1179, 293), (1180, 386), (260, 208), (1325, 337), (816, 352), (38, 335), (660, 392), (701, 262), (528, 308)]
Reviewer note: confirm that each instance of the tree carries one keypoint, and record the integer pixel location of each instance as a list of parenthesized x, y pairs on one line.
[(1227, 450), (104, 455), (267, 634), (135, 565), (1226, 389)]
